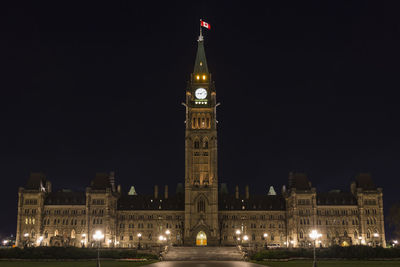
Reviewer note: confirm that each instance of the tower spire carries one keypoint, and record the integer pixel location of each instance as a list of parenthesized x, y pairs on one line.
[(200, 65)]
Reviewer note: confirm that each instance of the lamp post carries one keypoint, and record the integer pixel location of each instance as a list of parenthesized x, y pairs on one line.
[(139, 235), (376, 235), (245, 239), (83, 240), (98, 236), (314, 235), (26, 235), (238, 232), (395, 242), (168, 233), (265, 237)]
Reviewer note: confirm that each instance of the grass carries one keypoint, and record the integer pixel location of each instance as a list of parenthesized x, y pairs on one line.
[(332, 263), (108, 263)]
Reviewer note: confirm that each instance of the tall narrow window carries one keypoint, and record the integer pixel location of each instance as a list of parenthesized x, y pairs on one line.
[(201, 206), (205, 144), (196, 144)]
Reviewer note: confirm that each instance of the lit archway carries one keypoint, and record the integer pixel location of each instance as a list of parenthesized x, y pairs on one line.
[(201, 239)]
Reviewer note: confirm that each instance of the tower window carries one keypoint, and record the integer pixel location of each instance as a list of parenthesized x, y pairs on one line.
[(201, 206), (205, 144), (196, 144)]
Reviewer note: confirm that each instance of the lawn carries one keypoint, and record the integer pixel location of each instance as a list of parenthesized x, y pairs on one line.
[(109, 263), (344, 263)]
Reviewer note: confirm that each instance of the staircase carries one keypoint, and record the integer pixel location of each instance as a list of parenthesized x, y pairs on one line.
[(203, 254)]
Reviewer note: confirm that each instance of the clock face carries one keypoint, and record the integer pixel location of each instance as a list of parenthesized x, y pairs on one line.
[(200, 93)]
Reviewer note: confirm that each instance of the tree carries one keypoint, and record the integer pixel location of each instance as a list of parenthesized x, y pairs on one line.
[(394, 219)]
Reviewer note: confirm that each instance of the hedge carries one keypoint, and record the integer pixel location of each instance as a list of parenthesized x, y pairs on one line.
[(70, 253), (352, 252)]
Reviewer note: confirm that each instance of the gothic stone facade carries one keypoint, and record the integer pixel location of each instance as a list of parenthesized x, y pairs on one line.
[(200, 212)]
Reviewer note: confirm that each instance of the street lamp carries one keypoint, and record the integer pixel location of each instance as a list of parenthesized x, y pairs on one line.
[(98, 236), (314, 235), (139, 235), (168, 237), (265, 237), (395, 242), (39, 241), (238, 232)]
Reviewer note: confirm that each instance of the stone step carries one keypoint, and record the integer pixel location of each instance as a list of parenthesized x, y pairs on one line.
[(203, 254)]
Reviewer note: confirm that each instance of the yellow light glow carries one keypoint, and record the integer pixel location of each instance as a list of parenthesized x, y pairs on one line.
[(204, 77), (198, 77)]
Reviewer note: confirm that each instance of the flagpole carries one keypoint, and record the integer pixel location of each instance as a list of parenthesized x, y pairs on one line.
[(201, 34)]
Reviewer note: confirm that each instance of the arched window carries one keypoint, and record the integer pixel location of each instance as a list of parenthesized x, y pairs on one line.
[(201, 206), (205, 144), (196, 144), (345, 234), (56, 232), (368, 234), (46, 234), (355, 234), (253, 237), (301, 234)]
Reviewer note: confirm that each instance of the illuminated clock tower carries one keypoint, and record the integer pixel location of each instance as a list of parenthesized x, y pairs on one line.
[(201, 179)]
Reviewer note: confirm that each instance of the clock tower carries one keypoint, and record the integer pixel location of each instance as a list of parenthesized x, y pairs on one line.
[(201, 178)]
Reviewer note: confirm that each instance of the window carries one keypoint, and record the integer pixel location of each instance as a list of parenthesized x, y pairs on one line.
[(201, 206), (196, 144), (205, 144)]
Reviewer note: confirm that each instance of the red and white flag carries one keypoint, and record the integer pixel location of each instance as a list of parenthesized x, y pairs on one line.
[(205, 24)]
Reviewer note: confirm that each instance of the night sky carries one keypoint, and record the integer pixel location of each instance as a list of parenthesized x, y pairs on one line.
[(305, 87)]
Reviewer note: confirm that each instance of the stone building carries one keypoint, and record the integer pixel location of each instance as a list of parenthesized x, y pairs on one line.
[(201, 212)]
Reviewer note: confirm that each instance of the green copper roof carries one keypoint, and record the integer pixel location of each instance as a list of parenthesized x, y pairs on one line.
[(200, 66)]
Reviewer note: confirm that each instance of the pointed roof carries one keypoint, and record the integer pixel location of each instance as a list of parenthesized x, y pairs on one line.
[(200, 66)]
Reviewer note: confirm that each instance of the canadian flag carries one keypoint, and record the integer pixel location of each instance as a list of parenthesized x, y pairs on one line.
[(205, 24)]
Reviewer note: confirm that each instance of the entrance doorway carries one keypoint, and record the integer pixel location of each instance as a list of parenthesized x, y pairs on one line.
[(201, 239)]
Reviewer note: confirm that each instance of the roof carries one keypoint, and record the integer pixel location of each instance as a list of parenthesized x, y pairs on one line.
[(65, 198), (229, 202), (299, 181), (101, 181), (336, 198), (36, 181), (364, 181), (200, 65), (143, 202)]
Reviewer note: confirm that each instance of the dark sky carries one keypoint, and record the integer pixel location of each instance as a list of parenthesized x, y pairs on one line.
[(91, 87)]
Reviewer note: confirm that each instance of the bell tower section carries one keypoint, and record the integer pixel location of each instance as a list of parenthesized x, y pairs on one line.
[(201, 179)]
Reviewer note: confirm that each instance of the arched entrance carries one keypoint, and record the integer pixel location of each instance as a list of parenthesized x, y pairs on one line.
[(201, 239)]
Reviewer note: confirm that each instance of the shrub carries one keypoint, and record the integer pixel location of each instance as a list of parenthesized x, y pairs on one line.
[(70, 253), (352, 252)]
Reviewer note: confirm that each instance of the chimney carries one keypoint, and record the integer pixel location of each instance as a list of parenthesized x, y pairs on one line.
[(166, 192), (156, 191), (247, 194), (237, 192)]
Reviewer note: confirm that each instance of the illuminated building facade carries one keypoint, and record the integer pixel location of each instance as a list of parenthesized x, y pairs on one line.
[(201, 212)]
